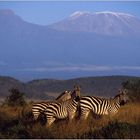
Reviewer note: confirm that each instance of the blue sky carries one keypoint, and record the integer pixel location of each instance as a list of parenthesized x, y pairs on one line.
[(47, 12)]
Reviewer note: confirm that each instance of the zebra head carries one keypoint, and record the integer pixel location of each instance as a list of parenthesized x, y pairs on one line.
[(76, 93), (122, 96)]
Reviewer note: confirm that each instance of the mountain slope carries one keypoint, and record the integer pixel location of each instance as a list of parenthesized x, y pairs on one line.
[(108, 23), (105, 86), (46, 88), (7, 83)]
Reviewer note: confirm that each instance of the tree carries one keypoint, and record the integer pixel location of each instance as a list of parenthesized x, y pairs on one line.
[(133, 87), (16, 98)]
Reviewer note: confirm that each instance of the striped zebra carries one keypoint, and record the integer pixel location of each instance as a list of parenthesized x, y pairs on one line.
[(62, 110), (101, 106), (39, 108)]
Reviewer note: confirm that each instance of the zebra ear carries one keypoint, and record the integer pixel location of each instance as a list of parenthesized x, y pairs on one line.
[(78, 87)]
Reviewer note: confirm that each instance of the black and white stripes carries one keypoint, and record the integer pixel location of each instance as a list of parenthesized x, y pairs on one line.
[(63, 106), (69, 106), (101, 106), (62, 110), (39, 108)]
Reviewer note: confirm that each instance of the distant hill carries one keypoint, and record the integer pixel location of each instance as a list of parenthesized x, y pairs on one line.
[(7, 83), (106, 86)]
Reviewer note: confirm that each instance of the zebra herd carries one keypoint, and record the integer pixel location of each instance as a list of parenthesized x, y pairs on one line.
[(68, 104)]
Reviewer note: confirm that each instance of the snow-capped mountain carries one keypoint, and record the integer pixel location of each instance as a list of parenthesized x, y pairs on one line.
[(28, 50), (108, 23)]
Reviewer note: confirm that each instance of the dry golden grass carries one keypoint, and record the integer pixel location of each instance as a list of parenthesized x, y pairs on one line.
[(63, 129), (129, 113), (10, 112)]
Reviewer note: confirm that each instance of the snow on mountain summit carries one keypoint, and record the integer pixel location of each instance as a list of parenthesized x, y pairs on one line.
[(78, 13), (114, 13), (83, 13), (106, 22)]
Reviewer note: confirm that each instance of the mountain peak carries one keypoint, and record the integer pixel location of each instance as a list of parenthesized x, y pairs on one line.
[(79, 13), (105, 22), (6, 12), (83, 13)]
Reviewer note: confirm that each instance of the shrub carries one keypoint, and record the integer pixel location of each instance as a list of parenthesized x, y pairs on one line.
[(133, 87), (15, 98)]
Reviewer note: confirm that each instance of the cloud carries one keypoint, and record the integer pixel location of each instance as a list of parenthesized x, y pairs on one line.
[(126, 67), (82, 67)]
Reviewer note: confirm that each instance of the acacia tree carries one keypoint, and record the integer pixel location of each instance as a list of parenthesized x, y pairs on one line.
[(15, 98)]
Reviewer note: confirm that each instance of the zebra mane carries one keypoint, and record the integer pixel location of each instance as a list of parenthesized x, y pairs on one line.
[(62, 95), (121, 92), (121, 98), (118, 95)]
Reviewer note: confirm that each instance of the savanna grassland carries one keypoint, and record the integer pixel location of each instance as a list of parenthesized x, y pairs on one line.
[(16, 120)]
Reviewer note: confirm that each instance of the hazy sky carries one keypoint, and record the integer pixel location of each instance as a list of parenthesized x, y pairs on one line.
[(47, 12)]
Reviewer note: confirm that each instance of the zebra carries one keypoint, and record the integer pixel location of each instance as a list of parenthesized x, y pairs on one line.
[(38, 108), (63, 110), (101, 106)]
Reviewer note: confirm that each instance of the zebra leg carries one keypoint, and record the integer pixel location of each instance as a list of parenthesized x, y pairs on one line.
[(84, 114), (71, 115), (35, 115), (50, 121), (36, 112)]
